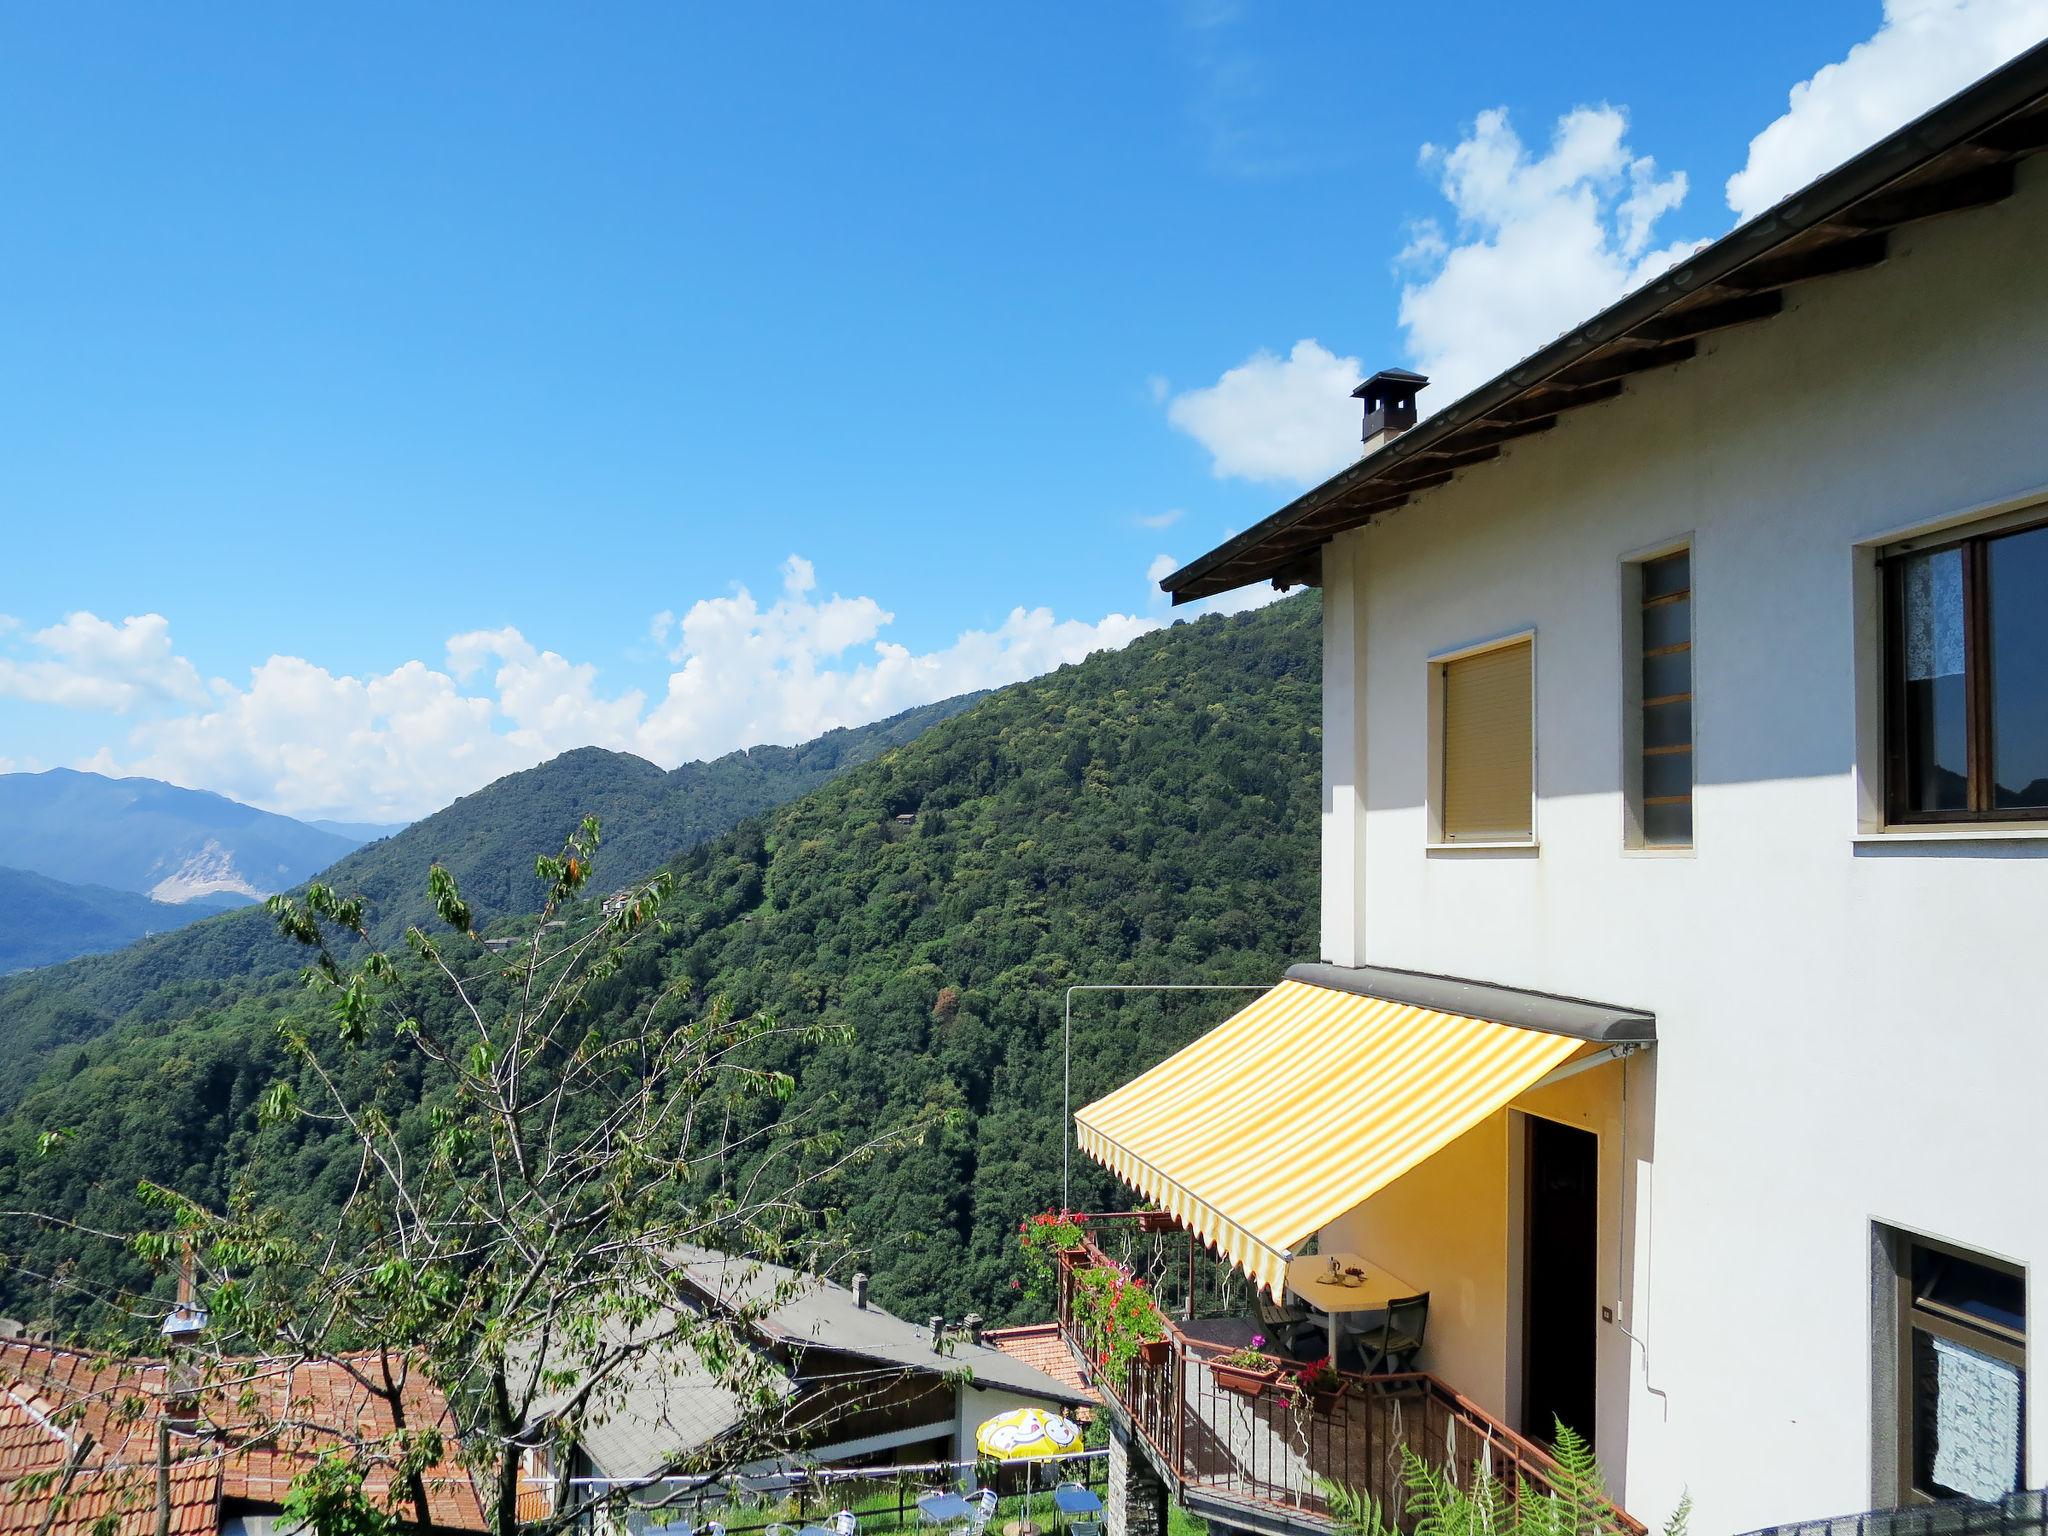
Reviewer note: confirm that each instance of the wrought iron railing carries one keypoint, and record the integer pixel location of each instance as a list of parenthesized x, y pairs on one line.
[(1268, 1443)]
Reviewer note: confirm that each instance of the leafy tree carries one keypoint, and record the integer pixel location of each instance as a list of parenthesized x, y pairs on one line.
[(523, 1173)]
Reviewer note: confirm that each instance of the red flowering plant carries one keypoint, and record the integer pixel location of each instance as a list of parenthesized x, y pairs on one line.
[(1117, 1317), (1044, 1237), (1317, 1378)]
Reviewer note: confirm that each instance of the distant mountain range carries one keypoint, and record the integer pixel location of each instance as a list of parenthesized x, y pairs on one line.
[(155, 839), (487, 840), (43, 921)]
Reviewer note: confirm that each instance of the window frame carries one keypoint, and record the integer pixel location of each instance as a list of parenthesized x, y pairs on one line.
[(1941, 1322), (1634, 835), (1438, 664), (1974, 541)]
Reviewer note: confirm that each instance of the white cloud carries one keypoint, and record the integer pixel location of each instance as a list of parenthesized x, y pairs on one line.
[(1924, 52), (1158, 520), (303, 740), (750, 673), (1272, 418), (1538, 243), (88, 663)]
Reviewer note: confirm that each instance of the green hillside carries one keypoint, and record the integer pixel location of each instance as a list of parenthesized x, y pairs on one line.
[(487, 839), (1147, 816)]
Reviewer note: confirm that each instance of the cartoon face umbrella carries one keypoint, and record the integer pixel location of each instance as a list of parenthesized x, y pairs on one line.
[(1027, 1435)]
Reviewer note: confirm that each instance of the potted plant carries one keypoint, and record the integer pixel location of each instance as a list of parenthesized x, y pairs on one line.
[(1318, 1385), (1052, 1241), (1120, 1323), (1248, 1371), (1158, 1221)]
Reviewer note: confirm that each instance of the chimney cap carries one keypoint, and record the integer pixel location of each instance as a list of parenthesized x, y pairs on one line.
[(1389, 378)]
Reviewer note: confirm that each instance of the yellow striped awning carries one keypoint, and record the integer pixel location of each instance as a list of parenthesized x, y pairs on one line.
[(1289, 1113)]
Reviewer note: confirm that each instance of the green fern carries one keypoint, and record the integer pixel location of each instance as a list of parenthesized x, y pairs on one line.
[(1435, 1504)]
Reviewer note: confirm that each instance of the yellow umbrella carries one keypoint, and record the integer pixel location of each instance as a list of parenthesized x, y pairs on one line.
[(1027, 1435)]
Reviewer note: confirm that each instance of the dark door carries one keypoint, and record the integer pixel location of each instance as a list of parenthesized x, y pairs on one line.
[(1559, 1329)]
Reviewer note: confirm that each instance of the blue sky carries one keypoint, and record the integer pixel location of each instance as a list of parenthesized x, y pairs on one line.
[(338, 335)]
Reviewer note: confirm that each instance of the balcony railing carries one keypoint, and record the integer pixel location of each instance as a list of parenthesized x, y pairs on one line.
[(1277, 1450)]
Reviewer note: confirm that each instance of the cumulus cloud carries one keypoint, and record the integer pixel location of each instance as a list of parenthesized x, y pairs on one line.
[(805, 664), (393, 746), (1288, 419), (1537, 242), (1923, 52), (85, 662)]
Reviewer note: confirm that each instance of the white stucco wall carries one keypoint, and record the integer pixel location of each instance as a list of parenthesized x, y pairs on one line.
[(1850, 1031)]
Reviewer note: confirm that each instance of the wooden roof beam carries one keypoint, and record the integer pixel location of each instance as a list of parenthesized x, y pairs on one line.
[(1850, 255), (1547, 400), (1978, 187), (1616, 364), (1703, 319)]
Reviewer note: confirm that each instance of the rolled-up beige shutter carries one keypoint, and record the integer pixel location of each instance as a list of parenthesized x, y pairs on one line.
[(1488, 745)]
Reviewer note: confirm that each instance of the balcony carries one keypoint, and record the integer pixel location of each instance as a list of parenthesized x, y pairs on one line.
[(1260, 1462)]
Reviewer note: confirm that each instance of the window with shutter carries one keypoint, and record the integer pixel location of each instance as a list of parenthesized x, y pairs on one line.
[(1488, 747)]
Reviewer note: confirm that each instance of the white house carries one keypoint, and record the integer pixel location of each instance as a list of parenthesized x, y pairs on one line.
[(1696, 666)]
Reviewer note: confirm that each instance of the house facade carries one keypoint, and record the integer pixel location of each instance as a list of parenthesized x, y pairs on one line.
[(1695, 672)]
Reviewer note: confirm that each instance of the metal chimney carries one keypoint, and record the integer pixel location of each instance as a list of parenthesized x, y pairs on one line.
[(860, 1291), (1389, 397)]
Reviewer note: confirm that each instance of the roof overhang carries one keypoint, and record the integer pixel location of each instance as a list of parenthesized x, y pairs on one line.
[(1599, 1023), (1959, 155)]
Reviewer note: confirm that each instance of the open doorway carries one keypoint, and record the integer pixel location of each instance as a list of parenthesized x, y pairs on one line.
[(1561, 1234)]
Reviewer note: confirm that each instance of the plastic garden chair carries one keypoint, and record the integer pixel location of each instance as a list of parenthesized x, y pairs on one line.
[(984, 1511), (1393, 1345), (843, 1524)]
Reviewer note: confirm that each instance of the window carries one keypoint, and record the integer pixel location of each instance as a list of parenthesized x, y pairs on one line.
[(1661, 777), (1966, 707), (1488, 756), (1960, 1380)]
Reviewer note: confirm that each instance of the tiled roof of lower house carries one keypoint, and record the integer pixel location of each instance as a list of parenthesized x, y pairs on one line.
[(1040, 1346), (249, 1437)]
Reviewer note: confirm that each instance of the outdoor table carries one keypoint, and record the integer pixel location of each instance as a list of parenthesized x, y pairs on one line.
[(1309, 1278), (944, 1508), (814, 1530), (1077, 1501)]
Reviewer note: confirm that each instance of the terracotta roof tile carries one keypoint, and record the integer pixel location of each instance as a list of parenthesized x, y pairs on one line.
[(252, 1437), (1040, 1346)]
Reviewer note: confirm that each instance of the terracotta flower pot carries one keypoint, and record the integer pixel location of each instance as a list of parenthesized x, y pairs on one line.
[(1244, 1380), (1152, 1352), (1157, 1221)]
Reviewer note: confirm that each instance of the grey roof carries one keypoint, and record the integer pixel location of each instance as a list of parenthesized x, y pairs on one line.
[(822, 1313), (1600, 1022), (665, 1405)]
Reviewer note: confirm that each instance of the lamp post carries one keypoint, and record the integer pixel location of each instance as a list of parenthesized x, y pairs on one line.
[(1067, 1037)]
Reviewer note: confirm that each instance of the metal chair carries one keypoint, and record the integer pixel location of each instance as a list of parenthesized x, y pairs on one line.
[(1392, 1345), (843, 1524), (985, 1504)]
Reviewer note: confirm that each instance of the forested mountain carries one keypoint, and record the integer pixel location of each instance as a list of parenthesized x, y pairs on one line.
[(47, 920), (488, 840), (1146, 816), (153, 838)]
